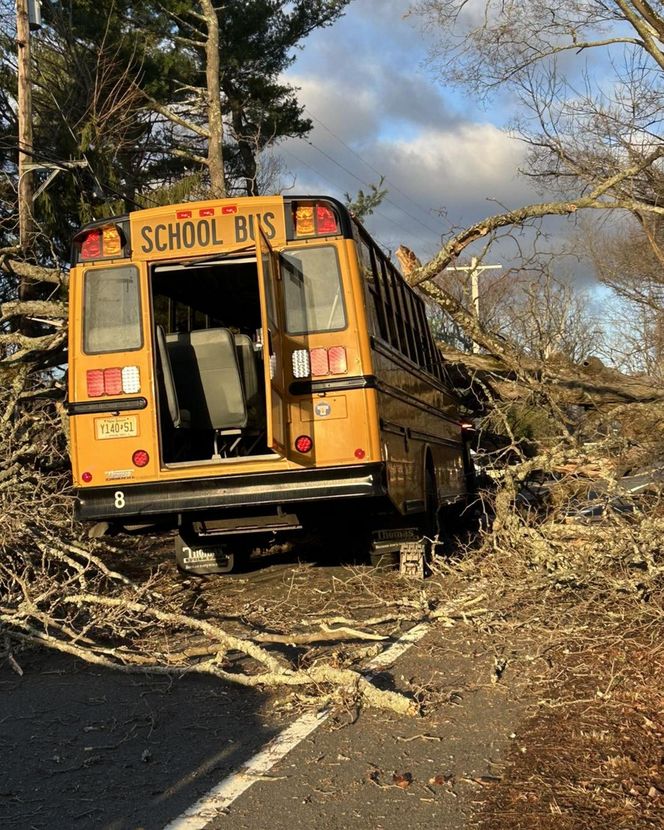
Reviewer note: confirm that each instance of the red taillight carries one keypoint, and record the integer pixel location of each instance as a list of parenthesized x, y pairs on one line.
[(95, 381), (140, 458), (107, 241), (337, 360), (303, 443), (319, 362), (113, 381), (87, 477), (359, 453), (326, 221), (91, 244), (315, 219)]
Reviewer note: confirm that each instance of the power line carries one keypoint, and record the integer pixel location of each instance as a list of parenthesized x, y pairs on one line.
[(367, 184), (378, 173), (335, 185)]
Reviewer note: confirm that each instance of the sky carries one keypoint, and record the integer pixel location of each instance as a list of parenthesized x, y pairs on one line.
[(378, 109)]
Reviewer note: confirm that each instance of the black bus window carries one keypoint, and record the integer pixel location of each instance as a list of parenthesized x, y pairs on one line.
[(312, 290), (364, 256), (413, 328), (409, 325), (397, 300), (379, 293), (437, 368), (424, 332), (390, 302), (111, 310)]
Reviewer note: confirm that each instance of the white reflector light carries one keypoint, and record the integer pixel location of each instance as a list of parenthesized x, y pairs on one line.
[(131, 380), (301, 367)]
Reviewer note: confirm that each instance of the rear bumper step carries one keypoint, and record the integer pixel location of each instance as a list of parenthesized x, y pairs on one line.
[(185, 496)]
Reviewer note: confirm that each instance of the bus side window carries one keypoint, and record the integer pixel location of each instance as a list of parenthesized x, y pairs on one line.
[(382, 303), (423, 332), (387, 290), (437, 368), (413, 328), (375, 312), (397, 308), (406, 318)]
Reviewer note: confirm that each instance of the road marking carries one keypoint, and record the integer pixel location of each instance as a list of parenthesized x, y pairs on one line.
[(219, 798)]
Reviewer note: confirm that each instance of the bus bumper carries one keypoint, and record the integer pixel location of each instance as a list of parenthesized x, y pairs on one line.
[(226, 492)]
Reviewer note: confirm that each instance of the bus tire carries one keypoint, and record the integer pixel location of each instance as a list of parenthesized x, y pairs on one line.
[(431, 520)]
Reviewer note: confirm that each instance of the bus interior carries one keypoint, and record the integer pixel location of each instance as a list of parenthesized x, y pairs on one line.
[(209, 360)]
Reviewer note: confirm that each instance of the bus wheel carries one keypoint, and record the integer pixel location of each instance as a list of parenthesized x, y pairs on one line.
[(203, 558), (431, 520), (430, 525)]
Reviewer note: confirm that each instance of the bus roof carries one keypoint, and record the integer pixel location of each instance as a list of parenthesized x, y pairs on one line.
[(195, 228)]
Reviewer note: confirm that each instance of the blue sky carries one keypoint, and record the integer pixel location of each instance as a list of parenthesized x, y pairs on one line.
[(378, 108)]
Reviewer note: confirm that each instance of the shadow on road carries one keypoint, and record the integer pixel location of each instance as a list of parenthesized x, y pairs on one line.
[(86, 747)]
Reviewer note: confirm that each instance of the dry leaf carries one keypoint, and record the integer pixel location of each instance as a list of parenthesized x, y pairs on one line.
[(402, 779)]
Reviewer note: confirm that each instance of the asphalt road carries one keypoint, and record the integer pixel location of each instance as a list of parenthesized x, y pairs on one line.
[(89, 748)]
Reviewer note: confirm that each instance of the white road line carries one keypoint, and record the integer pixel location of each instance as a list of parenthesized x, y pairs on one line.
[(219, 798)]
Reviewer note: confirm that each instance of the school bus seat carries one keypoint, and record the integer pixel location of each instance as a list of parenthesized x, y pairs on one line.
[(180, 418), (207, 377)]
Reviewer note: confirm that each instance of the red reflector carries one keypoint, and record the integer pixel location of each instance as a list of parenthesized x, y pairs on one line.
[(359, 453), (228, 209), (95, 381), (326, 221), (206, 212), (91, 245), (113, 381), (140, 458), (183, 214), (87, 477), (303, 443), (319, 364), (337, 358)]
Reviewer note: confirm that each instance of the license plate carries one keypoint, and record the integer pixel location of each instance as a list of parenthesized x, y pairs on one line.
[(120, 427)]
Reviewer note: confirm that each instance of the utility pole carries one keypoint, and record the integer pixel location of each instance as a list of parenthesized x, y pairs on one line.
[(474, 270), (26, 224)]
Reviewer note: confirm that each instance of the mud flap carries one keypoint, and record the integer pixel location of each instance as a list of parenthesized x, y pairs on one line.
[(387, 546), (201, 560)]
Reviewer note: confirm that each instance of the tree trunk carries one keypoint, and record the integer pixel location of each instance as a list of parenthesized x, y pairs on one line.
[(25, 185), (215, 124), (247, 152)]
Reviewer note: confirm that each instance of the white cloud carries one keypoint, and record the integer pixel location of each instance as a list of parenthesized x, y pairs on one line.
[(377, 111), (434, 165)]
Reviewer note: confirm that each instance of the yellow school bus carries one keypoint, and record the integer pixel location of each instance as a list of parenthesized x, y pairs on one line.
[(240, 368)]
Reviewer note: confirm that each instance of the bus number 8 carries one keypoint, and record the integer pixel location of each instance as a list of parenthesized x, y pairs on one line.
[(119, 499)]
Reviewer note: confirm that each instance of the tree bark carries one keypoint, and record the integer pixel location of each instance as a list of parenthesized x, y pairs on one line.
[(213, 99), (25, 184)]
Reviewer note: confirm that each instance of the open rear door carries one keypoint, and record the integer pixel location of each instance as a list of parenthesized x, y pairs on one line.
[(273, 345)]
